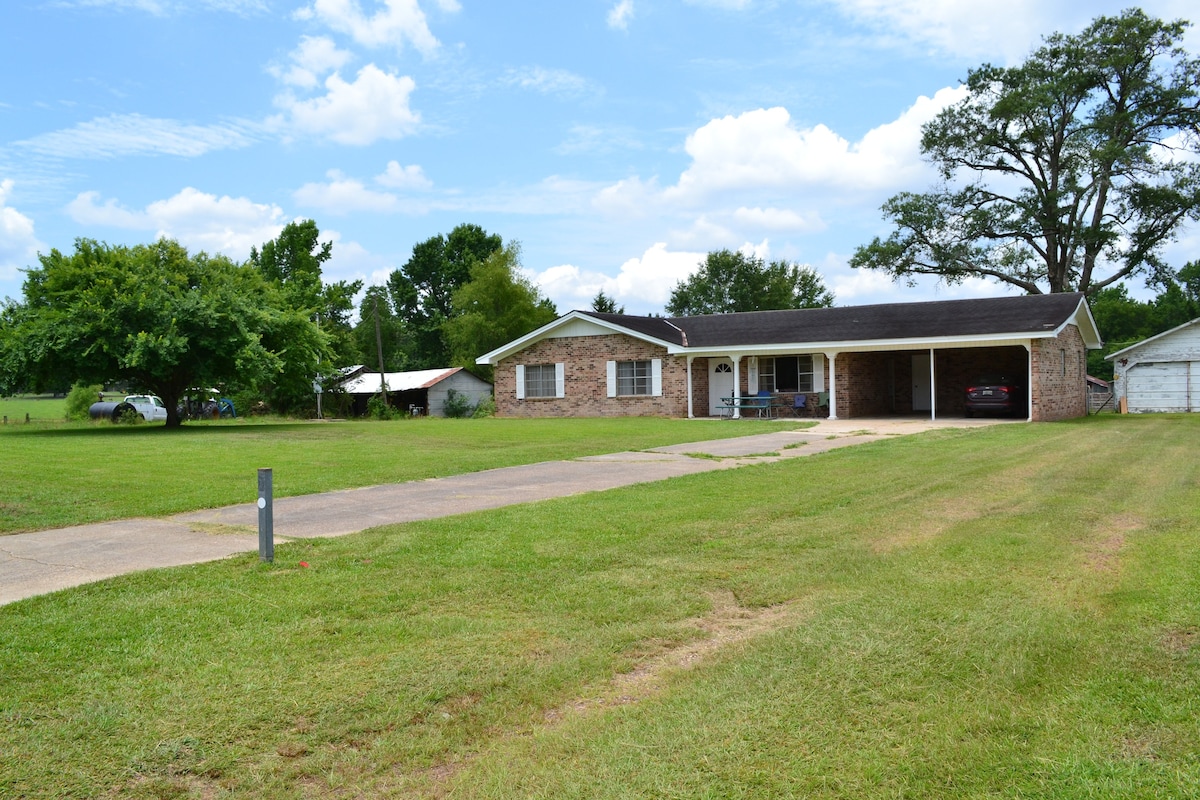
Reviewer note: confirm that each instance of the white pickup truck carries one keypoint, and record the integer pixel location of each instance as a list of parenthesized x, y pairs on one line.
[(150, 406)]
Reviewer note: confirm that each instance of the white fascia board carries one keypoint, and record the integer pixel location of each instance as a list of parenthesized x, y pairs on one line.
[(1155, 337), (517, 345), (867, 345), (1086, 323)]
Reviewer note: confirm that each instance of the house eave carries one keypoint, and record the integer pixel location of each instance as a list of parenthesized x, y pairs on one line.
[(495, 356), (866, 345)]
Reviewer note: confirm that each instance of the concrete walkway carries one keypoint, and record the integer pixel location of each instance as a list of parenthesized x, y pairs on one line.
[(46, 561)]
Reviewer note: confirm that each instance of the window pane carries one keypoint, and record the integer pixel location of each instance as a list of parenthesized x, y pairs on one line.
[(804, 374), (766, 374), (785, 374), (633, 377), (539, 380)]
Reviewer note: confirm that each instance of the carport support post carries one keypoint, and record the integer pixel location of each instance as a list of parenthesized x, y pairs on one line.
[(932, 385), (266, 523)]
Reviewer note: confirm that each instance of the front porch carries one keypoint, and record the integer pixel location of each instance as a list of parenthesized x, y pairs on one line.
[(929, 383)]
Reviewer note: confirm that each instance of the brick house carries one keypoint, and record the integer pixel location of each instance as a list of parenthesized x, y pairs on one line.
[(854, 361)]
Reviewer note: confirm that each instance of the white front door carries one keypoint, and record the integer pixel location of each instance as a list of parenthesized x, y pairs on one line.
[(720, 384), (922, 394)]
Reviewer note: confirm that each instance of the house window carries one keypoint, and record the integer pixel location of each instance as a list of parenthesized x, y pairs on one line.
[(786, 374), (634, 377), (540, 380)]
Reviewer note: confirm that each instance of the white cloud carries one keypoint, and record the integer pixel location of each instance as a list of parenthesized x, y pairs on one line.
[(342, 195), (620, 14), (646, 280), (546, 81), (777, 219), (19, 245), (313, 58), (132, 134), (592, 139), (398, 177), (396, 23), (985, 29), (762, 149), (199, 221), (375, 106)]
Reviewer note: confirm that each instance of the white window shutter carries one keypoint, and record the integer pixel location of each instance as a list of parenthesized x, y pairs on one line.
[(818, 372), (656, 377), (612, 378), (560, 380), (520, 381), (752, 375)]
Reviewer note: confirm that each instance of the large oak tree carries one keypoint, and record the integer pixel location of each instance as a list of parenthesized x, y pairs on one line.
[(152, 316), (1066, 173)]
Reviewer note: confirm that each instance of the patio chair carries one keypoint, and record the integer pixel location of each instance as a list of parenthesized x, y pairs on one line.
[(762, 402), (823, 402), (800, 405)]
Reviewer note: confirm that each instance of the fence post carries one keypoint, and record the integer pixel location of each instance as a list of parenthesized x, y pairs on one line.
[(266, 524)]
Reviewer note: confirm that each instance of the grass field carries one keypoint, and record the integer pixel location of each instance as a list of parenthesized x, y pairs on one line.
[(65, 474), (1006, 612), (39, 409)]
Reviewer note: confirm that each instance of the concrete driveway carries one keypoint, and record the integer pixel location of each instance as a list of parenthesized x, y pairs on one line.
[(46, 561)]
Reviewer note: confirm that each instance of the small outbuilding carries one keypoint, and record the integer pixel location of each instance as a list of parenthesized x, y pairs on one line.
[(419, 392), (1161, 373)]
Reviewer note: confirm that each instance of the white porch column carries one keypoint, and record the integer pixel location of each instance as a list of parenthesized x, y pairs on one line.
[(831, 357), (737, 382), (689, 380), (932, 388)]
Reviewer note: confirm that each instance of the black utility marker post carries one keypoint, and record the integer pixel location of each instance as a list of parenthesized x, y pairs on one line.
[(266, 524)]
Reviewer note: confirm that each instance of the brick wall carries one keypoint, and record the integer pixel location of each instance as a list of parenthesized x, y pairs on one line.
[(1059, 376), (586, 379)]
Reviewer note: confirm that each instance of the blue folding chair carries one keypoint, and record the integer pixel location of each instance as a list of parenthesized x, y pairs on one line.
[(763, 403), (800, 405)]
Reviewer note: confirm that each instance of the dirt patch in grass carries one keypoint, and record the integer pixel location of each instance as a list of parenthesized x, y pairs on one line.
[(1102, 553), (936, 520), (1181, 641), (727, 624)]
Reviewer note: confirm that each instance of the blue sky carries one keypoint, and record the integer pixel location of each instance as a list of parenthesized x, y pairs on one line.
[(616, 140)]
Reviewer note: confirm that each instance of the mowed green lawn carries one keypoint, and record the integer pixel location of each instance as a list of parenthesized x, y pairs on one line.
[(53, 476), (38, 409), (1002, 612)]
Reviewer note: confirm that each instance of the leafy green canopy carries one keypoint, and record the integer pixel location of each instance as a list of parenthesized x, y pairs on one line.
[(150, 315), (729, 281), (422, 291), (1066, 173), (498, 304), (292, 264)]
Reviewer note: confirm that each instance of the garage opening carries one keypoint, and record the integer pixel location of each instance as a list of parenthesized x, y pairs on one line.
[(899, 382)]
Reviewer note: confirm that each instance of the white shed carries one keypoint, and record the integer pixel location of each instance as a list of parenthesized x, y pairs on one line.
[(1161, 373), (422, 392)]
